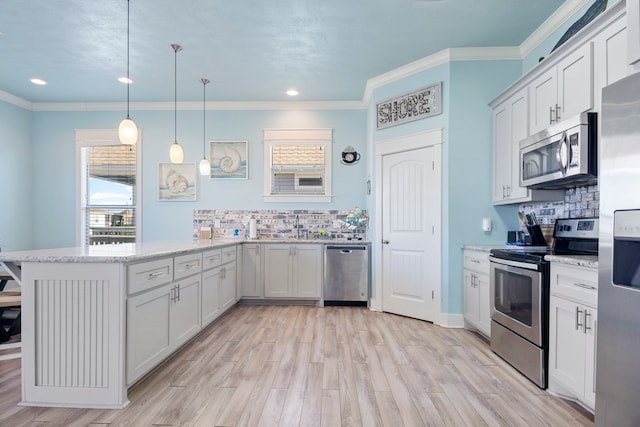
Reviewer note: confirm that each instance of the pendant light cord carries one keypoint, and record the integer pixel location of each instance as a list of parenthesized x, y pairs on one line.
[(175, 94), (204, 117), (128, 79)]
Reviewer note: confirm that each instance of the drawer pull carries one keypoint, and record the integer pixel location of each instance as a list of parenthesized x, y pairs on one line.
[(583, 286), (475, 261), (191, 265), (155, 274)]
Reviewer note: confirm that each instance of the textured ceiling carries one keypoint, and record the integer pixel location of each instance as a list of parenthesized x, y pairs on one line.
[(251, 50)]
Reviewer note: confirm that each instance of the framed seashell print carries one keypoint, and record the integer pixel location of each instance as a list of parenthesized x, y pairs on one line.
[(229, 159), (177, 182)]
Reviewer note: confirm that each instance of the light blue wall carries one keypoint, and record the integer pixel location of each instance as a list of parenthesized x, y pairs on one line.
[(54, 149), (16, 173), (466, 157)]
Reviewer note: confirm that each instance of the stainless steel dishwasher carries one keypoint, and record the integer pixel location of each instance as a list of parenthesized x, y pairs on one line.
[(346, 275)]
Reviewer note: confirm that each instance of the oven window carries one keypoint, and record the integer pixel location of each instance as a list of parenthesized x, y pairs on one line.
[(514, 296)]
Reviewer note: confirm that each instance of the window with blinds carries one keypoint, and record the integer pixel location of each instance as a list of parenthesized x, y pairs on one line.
[(298, 166), (108, 196)]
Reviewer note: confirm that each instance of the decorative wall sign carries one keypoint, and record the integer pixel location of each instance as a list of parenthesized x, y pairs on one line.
[(422, 103), (229, 159), (177, 182)]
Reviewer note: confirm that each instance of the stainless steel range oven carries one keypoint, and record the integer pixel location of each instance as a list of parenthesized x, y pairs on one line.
[(520, 296)]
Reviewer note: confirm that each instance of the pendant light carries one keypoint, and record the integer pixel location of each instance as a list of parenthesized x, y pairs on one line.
[(205, 166), (175, 152), (128, 131)]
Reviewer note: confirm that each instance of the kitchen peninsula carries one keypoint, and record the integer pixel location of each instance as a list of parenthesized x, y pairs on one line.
[(97, 319)]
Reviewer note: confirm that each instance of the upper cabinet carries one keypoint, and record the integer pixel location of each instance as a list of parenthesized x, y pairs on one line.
[(510, 126), (568, 82), (633, 36), (562, 91)]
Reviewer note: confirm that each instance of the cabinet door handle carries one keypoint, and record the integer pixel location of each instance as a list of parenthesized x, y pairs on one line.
[(173, 294), (578, 313), (550, 115), (583, 286), (557, 113), (586, 321)]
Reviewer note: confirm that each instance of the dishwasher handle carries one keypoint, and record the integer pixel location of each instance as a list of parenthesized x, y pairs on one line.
[(347, 249)]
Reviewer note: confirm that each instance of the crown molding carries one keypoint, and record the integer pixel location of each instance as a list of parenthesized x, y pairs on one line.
[(196, 106), (15, 100), (548, 27)]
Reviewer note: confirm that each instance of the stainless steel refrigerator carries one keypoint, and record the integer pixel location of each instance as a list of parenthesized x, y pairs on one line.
[(618, 331)]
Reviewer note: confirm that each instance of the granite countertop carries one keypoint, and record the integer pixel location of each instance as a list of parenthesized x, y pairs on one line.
[(482, 248), (578, 260), (125, 252), (130, 252)]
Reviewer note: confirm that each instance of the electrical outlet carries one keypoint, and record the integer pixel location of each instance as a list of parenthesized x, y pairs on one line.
[(216, 223)]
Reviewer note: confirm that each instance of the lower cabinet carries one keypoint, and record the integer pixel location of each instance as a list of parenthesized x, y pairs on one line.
[(293, 271), (477, 298), (573, 320), (228, 286), (251, 274), (159, 321), (218, 284)]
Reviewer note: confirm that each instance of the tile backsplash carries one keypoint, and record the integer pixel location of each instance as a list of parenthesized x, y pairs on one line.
[(274, 223)]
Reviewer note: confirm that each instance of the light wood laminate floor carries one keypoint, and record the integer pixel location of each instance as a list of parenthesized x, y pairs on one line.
[(314, 366)]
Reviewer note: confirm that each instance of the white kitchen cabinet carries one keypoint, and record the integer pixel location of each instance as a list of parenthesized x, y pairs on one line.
[(510, 126), (293, 271), (251, 272), (633, 35), (562, 91), (610, 58), (164, 313), (159, 321), (573, 319), (185, 310), (210, 300), (477, 298), (218, 283), (148, 330), (228, 286)]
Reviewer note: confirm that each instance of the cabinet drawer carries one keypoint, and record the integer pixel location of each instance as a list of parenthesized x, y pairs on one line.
[(228, 254), (579, 284), (147, 275), (212, 258), (476, 261), (186, 265)]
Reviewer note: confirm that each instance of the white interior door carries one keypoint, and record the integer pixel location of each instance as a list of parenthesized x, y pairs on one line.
[(411, 205)]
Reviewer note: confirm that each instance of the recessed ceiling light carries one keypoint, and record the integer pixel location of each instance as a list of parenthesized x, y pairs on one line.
[(125, 80), (292, 92), (37, 81)]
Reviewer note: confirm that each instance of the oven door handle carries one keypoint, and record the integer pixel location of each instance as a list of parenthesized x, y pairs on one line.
[(518, 264)]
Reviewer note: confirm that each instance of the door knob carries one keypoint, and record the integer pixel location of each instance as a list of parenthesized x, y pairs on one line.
[(385, 242)]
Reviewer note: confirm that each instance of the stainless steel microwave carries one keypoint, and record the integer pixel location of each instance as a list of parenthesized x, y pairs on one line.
[(563, 155)]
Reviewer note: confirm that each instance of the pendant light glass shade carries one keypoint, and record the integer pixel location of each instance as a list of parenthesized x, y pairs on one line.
[(176, 155), (205, 166), (128, 131)]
